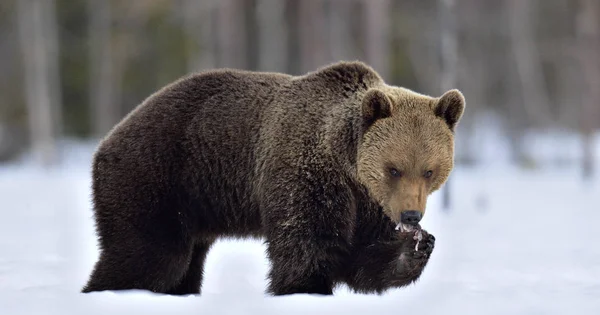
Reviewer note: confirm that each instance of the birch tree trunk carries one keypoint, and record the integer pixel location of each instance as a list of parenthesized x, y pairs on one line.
[(531, 78), (105, 109), (588, 37), (313, 41), (340, 38), (272, 35), (449, 59), (292, 17), (250, 29), (37, 39), (377, 35), (52, 41), (230, 35), (198, 25)]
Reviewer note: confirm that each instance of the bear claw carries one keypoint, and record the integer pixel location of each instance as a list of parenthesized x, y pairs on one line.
[(424, 243)]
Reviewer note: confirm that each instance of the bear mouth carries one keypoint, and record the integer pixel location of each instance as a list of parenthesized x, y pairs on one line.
[(403, 227)]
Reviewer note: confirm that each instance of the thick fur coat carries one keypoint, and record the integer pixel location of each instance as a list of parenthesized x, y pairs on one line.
[(299, 161)]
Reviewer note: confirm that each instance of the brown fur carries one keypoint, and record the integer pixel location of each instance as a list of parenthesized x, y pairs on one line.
[(300, 161)]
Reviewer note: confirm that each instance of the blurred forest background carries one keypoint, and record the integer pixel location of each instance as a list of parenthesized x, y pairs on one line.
[(74, 68)]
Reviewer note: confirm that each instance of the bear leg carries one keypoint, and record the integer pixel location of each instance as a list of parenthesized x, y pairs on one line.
[(393, 264), (304, 257), (192, 280), (135, 262), (308, 224), (294, 272)]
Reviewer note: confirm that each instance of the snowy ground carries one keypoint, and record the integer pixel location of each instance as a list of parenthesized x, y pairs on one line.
[(515, 242)]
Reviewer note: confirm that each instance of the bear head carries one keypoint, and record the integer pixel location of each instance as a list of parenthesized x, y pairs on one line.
[(407, 148)]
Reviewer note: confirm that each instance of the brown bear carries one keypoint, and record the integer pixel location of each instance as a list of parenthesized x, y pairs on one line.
[(325, 167)]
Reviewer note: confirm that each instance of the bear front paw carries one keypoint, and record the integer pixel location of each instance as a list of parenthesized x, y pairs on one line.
[(416, 249), (424, 244)]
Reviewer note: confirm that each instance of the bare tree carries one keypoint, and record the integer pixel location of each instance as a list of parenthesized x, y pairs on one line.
[(377, 35), (533, 89), (449, 57), (588, 37), (313, 40), (341, 43), (198, 26), (230, 35), (423, 46), (52, 41), (250, 29), (105, 108), (272, 30), (292, 19), (39, 47)]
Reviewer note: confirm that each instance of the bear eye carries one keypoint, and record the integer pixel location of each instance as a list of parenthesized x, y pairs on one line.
[(395, 173), (428, 174)]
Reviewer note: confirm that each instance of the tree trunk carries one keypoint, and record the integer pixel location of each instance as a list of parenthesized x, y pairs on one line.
[(588, 36), (272, 35), (198, 25), (52, 40), (531, 78), (105, 108), (449, 58), (313, 41), (231, 37), (292, 16), (252, 39), (340, 31), (377, 35), (37, 38)]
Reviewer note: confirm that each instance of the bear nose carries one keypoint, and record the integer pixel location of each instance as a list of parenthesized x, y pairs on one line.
[(411, 217)]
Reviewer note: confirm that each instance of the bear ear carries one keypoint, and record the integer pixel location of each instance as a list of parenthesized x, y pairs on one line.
[(375, 105), (450, 107)]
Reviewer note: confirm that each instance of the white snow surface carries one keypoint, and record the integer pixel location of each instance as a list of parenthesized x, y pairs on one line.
[(514, 242)]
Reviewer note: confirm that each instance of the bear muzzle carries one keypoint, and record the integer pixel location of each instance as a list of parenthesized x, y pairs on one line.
[(406, 207), (409, 220)]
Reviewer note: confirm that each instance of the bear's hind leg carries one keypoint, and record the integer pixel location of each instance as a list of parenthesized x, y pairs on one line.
[(191, 282), (143, 263)]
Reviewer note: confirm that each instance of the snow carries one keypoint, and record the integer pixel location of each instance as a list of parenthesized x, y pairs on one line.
[(514, 242)]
